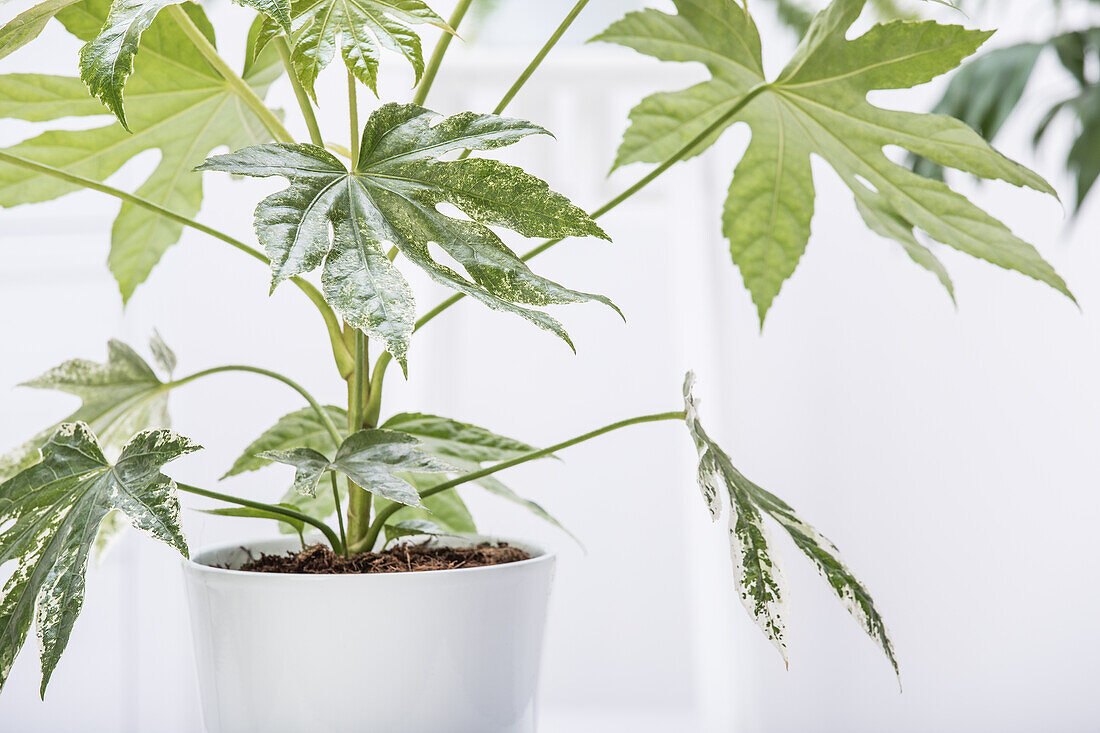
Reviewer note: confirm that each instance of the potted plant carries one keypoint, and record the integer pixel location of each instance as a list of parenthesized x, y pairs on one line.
[(390, 560)]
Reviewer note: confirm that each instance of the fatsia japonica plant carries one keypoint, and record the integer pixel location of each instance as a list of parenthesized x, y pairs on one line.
[(352, 220)]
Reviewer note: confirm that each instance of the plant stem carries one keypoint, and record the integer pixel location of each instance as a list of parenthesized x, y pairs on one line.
[(339, 350), (535, 63), (239, 86), (299, 93), (440, 50), (339, 512), (359, 500), (331, 536), (353, 120), (374, 403), (326, 419), (638, 186), (380, 521)]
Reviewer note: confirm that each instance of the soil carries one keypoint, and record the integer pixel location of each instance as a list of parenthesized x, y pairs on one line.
[(403, 558)]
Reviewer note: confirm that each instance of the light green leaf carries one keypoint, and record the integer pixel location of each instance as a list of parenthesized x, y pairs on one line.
[(362, 26), (25, 27), (451, 439), (119, 398), (347, 219), (760, 580), (300, 429), (369, 458), (445, 508), (411, 527), (162, 353), (51, 513), (177, 105), (818, 106), (294, 525), (107, 60)]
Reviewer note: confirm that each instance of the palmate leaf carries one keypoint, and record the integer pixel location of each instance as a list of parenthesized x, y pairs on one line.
[(300, 429), (445, 509), (51, 513), (818, 106), (345, 219), (118, 398), (370, 458), (177, 105), (759, 577), (107, 60), (362, 26)]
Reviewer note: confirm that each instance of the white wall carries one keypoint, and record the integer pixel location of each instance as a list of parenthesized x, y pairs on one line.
[(949, 453)]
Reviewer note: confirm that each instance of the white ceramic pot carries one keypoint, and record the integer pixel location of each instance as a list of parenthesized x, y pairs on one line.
[(449, 651)]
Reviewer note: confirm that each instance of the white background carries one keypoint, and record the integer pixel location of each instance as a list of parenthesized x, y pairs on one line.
[(950, 453)]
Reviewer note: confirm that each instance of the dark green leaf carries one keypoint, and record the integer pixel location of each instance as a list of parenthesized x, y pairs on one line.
[(818, 106), (445, 508), (301, 429), (51, 513), (346, 219), (451, 439), (411, 527)]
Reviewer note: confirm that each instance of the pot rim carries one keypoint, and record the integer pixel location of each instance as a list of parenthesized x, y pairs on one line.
[(538, 555)]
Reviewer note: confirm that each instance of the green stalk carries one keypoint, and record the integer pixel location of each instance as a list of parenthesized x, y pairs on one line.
[(332, 324), (299, 93), (326, 420), (638, 186), (359, 500), (376, 528), (353, 120), (236, 83), (535, 62), (331, 536), (440, 50), (339, 512)]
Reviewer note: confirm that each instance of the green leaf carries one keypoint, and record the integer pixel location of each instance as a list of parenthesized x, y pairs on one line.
[(759, 577), (294, 525), (25, 27), (451, 439), (445, 509), (985, 92), (107, 60), (467, 447), (369, 458), (52, 512), (410, 527), (300, 429), (347, 219), (362, 26), (818, 106), (177, 105), (162, 353), (119, 398)]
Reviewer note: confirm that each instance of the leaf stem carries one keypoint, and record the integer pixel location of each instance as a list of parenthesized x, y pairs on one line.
[(379, 522), (325, 418), (359, 500), (440, 50), (638, 186), (239, 86), (299, 93), (339, 512), (331, 536), (353, 120), (339, 349)]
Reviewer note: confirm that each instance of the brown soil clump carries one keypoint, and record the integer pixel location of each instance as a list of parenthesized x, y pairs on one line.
[(404, 558)]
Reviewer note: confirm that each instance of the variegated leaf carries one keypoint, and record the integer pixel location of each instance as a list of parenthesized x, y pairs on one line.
[(52, 512)]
